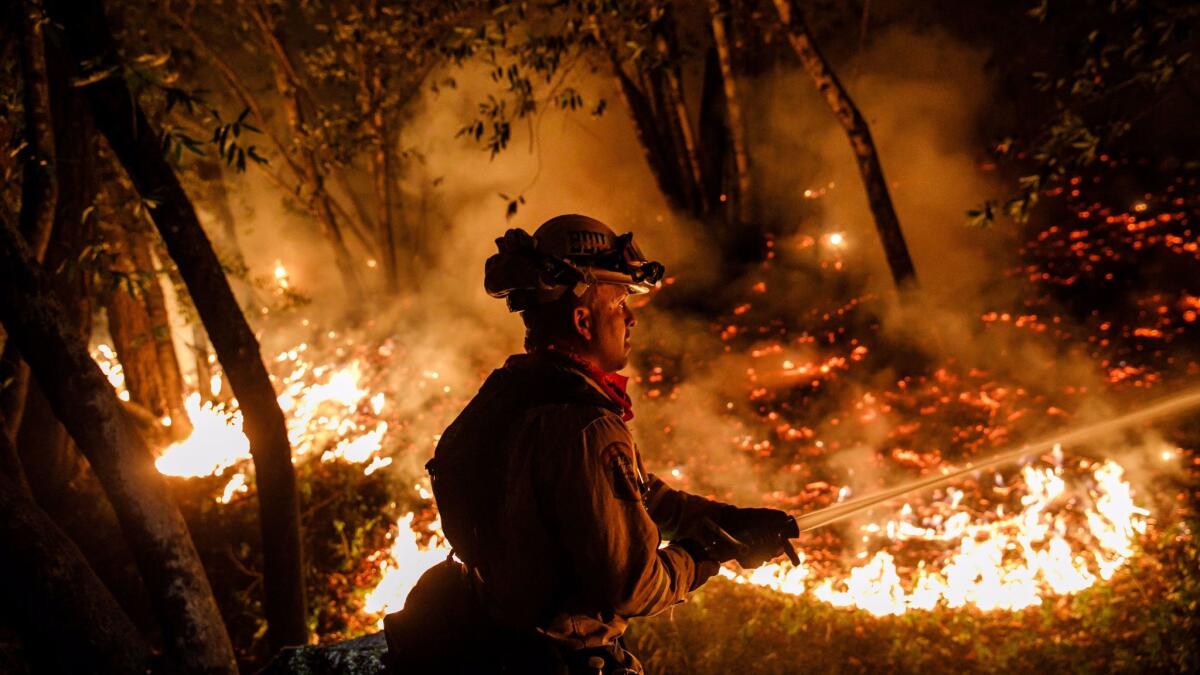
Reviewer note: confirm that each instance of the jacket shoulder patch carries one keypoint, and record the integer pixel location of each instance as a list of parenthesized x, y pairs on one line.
[(623, 478)]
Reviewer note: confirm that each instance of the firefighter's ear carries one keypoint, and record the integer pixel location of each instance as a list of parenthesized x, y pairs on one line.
[(582, 318)]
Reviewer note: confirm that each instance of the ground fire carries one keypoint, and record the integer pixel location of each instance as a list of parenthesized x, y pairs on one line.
[(914, 281)]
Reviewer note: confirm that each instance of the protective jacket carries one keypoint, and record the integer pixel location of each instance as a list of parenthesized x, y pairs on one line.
[(544, 497)]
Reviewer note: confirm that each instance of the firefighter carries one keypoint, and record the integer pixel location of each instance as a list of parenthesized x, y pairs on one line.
[(556, 526)]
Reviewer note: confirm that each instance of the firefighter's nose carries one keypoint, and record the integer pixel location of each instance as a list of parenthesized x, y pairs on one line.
[(630, 319)]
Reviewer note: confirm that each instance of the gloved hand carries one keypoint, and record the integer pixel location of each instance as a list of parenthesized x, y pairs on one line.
[(763, 534), (706, 567)]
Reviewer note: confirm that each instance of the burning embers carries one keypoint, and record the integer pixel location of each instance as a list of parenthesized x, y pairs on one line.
[(1063, 536), (1055, 528)]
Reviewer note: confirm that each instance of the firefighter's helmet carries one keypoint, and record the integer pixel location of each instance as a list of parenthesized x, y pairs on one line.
[(569, 252)]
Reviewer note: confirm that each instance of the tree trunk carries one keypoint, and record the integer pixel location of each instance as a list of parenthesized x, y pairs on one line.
[(671, 151), (382, 171), (687, 140), (648, 136), (372, 90), (58, 598), (213, 178), (81, 397), (61, 480), (141, 333), (49, 459), (740, 199), (138, 147), (886, 222), (39, 187), (39, 184), (160, 331), (132, 332), (713, 137), (10, 461), (320, 201), (14, 395)]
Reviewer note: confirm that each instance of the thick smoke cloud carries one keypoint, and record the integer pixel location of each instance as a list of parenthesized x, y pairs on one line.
[(924, 95)]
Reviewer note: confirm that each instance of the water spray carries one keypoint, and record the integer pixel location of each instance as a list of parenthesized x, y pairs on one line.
[(1180, 402)]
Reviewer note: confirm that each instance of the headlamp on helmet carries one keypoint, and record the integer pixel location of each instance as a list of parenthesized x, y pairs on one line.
[(569, 252)]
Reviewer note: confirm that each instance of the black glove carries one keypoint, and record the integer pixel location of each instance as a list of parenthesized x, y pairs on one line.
[(762, 533), (706, 567)]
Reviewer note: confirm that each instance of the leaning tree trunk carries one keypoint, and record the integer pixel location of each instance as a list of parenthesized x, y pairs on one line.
[(58, 598), (138, 147), (886, 222), (195, 636)]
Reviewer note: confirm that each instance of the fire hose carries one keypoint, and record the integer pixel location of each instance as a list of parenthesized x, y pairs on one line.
[(755, 544), (1186, 400)]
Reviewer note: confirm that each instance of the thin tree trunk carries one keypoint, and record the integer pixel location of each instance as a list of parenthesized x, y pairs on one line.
[(137, 145), (10, 461), (648, 136), (381, 167), (58, 598), (204, 370), (733, 107), (82, 398), (287, 81), (13, 397), (304, 165), (645, 125), (672, 136), (371, 91), (684, 124), (213, 178), (886, 222), (39, 185), (713, 137)]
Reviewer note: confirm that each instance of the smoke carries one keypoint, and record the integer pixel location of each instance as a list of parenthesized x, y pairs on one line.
[(924, 94)]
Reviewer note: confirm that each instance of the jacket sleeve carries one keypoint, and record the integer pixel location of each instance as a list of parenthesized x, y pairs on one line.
[(612, 542), (675, 511)]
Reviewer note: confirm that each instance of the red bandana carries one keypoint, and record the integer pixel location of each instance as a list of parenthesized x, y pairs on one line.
[(612, 384)]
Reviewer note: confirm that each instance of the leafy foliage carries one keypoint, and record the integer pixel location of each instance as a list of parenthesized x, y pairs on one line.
[(346, 518), (1114, 73)]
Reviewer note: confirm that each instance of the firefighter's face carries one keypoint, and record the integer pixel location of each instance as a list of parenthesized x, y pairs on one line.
[(605, 327)]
